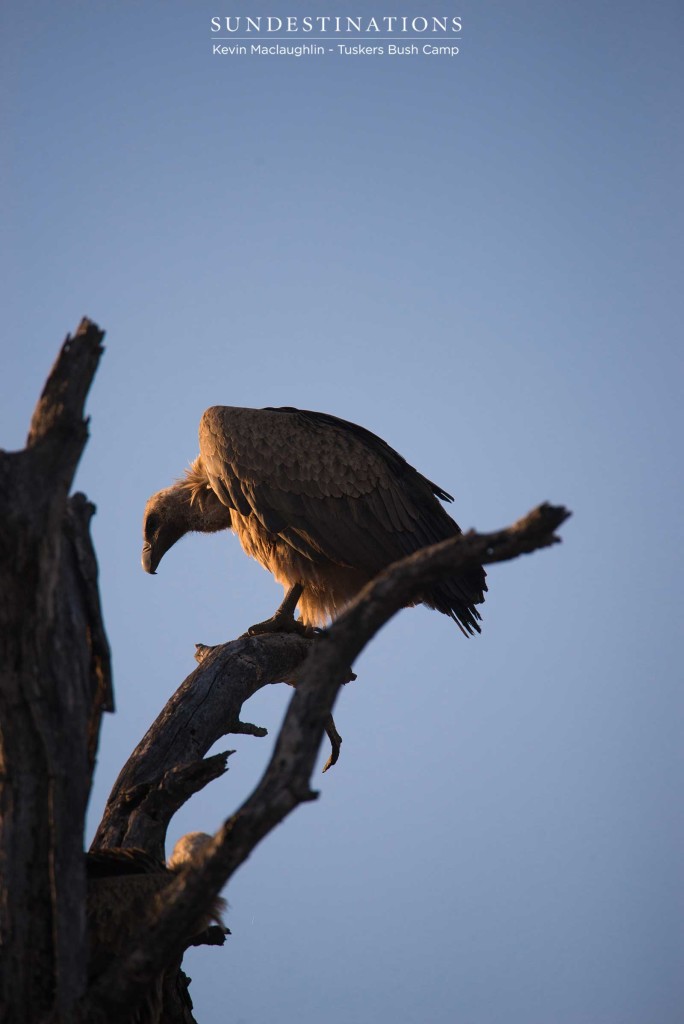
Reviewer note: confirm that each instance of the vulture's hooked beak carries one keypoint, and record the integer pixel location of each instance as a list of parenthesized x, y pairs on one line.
[(157, 539), (148, 563)]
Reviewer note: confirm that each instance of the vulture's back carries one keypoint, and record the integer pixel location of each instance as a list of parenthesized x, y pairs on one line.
[(336, 493)]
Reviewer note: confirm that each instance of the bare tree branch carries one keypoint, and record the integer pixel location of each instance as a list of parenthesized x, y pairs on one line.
[(150, 806), (204, 708), (55, 682), (81, 557), (285, 783), (58, 416)]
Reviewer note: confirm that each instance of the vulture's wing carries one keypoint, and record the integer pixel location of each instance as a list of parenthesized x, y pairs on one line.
[(122, 861), (334, 490)]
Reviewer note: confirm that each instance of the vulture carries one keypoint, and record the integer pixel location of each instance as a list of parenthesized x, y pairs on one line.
[(322, 504), (125, 889)]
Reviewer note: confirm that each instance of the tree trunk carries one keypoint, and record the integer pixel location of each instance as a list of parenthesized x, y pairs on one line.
[(54, 683)]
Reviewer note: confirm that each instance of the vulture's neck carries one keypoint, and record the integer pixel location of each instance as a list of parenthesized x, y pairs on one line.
[(202, 511)]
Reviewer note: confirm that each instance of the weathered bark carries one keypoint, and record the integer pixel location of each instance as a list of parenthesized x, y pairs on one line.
[(285, 783), (54, 683), (166, 767)]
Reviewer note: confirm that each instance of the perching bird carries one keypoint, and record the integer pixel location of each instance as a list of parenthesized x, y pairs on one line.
[(321, 503), (125, 891)]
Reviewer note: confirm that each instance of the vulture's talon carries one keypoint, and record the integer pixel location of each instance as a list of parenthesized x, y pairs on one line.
[(279, 624), (335, 742)]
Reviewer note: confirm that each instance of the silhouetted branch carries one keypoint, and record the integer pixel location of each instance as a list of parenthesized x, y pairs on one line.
[(54, 683), (204, 708), (81, 555), (149, 807), (285, 783), (58, 417)]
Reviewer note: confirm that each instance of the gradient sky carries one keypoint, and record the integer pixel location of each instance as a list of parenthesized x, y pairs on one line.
[(477, 258)]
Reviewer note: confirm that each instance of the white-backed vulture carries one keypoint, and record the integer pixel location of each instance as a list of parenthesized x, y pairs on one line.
[(125, 890), (322, 503)]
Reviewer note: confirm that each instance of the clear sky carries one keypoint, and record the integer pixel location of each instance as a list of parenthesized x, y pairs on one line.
[(478, 258)]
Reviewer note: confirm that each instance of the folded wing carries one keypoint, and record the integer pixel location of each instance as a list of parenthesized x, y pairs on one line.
[(333, 490)]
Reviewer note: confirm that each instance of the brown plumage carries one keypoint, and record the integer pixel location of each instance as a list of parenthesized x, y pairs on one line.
[(321, 503), (125, 890)]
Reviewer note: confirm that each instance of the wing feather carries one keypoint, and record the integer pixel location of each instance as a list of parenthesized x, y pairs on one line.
[(331, 489)]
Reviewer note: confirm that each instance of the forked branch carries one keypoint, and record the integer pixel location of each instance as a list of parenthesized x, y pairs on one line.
[(285, 783)]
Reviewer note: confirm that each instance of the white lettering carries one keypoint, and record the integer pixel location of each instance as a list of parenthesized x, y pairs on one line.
[(402, 51), (359, 51), (440, 51)]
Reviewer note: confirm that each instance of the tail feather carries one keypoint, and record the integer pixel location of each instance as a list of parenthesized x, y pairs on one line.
[(458, 597)]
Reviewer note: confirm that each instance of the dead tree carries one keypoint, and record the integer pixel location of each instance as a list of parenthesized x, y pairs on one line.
[(55, 683)]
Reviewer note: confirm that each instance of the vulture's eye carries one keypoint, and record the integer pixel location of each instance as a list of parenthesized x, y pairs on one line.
[(152, 524)]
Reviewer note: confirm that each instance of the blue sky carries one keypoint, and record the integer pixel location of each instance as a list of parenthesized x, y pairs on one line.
[(479, 259)]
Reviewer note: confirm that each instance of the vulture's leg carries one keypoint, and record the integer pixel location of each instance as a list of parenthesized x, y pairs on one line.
[(283, 621)]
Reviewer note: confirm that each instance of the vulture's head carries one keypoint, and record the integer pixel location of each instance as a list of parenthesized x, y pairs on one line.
[(166, 520), (190, 504), (187, 849)]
